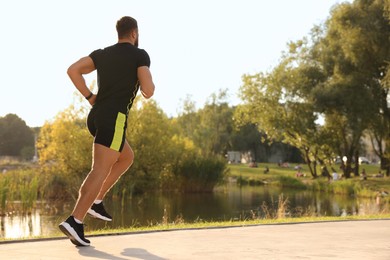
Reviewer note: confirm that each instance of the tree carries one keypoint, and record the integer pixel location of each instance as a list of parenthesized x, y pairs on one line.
[(248, 138), (354, 52), (188, 122), (15, 135), (149, 133), (281, 104), (338, 75), (211, 127), (64, 149)]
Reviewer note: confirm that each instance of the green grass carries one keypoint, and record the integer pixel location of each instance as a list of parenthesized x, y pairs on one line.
[(285, 177), (205, 225), (234, 223), (247, 175)]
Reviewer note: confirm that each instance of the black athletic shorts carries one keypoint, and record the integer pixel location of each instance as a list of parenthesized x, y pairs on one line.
[(108, 126)]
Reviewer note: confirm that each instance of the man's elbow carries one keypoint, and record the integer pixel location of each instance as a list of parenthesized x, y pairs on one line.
[(71, 71), (148, 92)]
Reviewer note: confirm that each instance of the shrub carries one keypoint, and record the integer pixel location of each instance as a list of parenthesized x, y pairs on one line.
[(291, 182), (348, 187), (200, 174)]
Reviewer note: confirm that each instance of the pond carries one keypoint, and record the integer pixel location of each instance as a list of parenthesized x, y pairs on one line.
[(225, 203)]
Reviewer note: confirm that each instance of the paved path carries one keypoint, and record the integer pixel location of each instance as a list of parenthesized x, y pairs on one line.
[(327, 240)]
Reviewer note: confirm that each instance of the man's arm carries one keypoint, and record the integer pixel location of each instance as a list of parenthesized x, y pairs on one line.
[(146, 81), (76, 71)]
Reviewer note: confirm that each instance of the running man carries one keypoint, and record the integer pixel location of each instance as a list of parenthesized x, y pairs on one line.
[(122, 69)]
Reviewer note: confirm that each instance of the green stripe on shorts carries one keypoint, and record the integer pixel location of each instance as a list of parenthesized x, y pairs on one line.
[(119, 129)]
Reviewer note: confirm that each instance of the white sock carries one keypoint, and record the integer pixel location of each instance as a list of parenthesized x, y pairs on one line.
[(97, 201), (77, 221)]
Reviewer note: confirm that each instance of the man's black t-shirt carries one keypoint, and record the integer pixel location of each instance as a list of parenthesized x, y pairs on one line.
[(116, 68)]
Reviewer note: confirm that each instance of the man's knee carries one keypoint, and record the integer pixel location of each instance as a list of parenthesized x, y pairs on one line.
[(127, 156), (130, 158)]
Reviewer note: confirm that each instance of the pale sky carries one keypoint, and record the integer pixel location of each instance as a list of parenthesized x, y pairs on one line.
[(196, 47)]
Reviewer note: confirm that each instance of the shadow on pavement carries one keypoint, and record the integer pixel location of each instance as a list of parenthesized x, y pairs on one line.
[(139, 253)]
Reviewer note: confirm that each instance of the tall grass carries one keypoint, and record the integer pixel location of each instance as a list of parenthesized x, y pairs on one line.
[(3, 192), (290, 182), (21, 185), (348, 187), (281, 210)]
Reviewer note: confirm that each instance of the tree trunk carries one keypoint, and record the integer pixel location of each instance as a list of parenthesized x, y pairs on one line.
[(385, 165), (308, 162), (356, 169), (315, 169)]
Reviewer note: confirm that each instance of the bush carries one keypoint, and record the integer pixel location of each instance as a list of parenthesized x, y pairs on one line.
[(348, 187), (200, 174), (320, 185), (291, 182)]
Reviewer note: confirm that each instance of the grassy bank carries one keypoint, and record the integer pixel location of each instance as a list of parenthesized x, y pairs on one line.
[(286, 177), (239, 223), (219, 224)]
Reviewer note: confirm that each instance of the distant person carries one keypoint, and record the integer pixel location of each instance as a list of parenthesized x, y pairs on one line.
[(379, 174), (280, 163), (122, 69), (253, 164), (298, 167), (364, 175), (335, 176), (299, 174)]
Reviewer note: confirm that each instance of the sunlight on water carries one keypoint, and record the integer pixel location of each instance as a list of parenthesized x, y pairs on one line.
[(21, 226)]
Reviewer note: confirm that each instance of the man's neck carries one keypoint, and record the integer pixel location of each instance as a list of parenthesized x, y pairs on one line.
[(126, 40)]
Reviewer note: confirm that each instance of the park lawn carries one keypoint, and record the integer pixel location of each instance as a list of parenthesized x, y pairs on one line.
[(243, 171), (237, 170)]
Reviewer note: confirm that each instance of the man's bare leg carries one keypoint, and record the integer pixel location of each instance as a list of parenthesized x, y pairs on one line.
[(103, 160), (124, 162)]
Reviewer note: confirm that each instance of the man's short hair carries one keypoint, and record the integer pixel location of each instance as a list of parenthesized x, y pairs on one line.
[(125, 26)]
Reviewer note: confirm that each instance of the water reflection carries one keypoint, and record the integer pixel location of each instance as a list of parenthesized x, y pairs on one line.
[(20, 226), (226, 203)]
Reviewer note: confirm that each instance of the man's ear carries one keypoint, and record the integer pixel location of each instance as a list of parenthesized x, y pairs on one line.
[(134, 34)]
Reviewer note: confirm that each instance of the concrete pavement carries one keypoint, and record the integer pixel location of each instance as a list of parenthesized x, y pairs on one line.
[(324, 240)]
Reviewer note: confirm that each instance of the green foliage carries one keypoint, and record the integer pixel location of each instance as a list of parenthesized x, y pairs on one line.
[(56, 186), (200, 174), (4, 189), (348, 187), (14, 135), (281, 105), (252, 181), (355, 55), (320, 185), (20, 185), (65, 154), (27, 153), (64, 148), (290, 182), (338, 74), (211, 127), (151, 137)]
